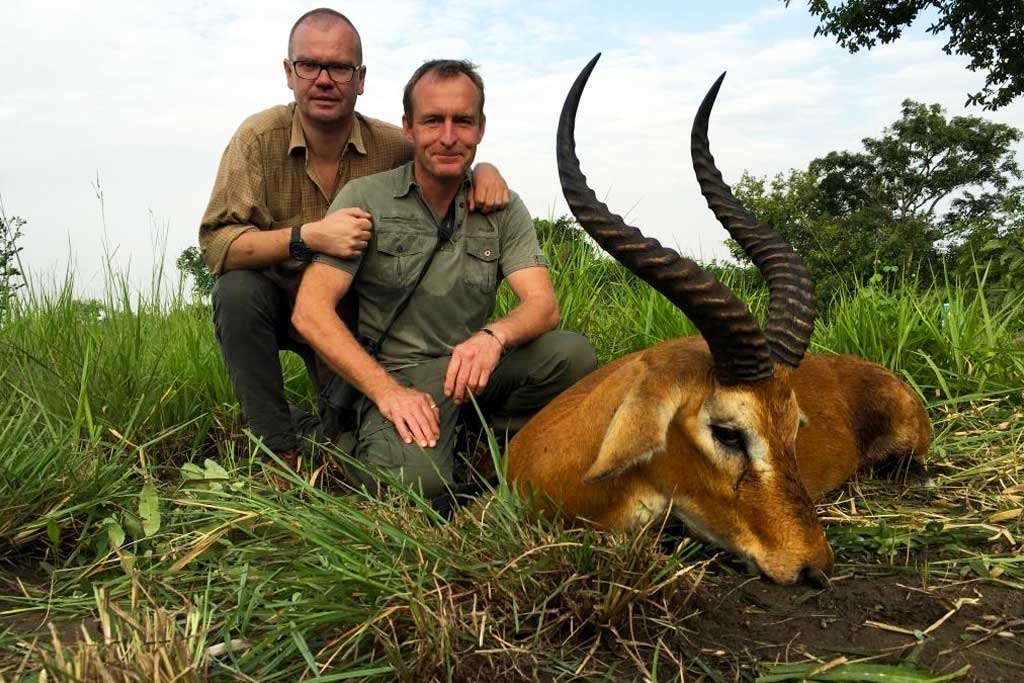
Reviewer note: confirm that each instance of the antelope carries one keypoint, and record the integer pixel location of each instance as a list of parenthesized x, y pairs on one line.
[(728, 431)]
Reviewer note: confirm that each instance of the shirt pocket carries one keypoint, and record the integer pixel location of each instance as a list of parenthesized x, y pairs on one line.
[(401, 255), (482, 262)]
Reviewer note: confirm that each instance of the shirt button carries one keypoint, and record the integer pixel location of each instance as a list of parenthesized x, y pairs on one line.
[(462, 204), (401, 249), (487, 252)]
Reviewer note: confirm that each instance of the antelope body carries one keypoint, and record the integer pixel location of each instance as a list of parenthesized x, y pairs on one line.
[(729, 432)]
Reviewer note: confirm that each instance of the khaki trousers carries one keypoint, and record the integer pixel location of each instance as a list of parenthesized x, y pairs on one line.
[(523, 382)]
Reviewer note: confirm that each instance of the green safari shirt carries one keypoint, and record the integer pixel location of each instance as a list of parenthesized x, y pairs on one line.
[(458, 293)]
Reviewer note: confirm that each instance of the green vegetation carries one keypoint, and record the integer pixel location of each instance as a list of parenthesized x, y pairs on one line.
[(987, 32), (11, 279), (930, 194), (142, 543)]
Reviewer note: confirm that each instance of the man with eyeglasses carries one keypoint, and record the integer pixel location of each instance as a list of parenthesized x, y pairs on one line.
[(267, 214)]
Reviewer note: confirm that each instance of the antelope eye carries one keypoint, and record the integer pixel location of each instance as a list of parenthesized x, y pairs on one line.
[(729, 437)]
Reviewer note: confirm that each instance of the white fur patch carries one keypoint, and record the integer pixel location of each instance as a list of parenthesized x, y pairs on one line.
[(735, 408), (649, 506)]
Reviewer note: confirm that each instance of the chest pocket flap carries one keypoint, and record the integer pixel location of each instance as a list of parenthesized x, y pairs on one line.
[(482, 266), (395, 243), (483, 248)]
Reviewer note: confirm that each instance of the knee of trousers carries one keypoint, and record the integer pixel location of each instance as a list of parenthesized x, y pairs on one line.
[(426, 471), (575, 357), (243, 299)]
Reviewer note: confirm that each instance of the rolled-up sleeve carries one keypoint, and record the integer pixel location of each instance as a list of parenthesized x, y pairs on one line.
[(238, 202), (520, 247)]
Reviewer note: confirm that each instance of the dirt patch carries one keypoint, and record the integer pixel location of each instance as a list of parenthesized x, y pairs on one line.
[(940, 627)]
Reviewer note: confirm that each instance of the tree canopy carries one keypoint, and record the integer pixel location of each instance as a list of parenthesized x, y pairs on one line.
[(926, 187), (989, 32)]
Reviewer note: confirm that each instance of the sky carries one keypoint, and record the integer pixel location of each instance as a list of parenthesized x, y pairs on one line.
[(115, 113)]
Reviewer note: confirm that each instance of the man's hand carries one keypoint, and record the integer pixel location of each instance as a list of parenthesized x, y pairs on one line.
[(490, 192), (471, 366), (414, 414), (343, 233)]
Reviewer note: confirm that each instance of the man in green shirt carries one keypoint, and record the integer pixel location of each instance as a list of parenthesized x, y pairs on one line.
[(440, 349)]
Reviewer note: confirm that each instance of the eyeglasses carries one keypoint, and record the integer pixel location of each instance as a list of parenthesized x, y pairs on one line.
[(310, 71)]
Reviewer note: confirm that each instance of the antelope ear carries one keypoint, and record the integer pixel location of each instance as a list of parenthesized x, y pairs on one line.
[(638, 430)]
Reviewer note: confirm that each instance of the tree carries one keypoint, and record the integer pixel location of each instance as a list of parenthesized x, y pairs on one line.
[(923, 187), (190, 263), (989, 32)]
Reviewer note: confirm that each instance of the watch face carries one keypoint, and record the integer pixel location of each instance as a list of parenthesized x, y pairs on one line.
[(299, 251)]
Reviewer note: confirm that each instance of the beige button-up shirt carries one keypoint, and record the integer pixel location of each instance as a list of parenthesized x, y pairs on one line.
[(265, 180)]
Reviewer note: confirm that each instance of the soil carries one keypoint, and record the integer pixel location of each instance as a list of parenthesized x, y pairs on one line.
[(860, 616), (731, 623)]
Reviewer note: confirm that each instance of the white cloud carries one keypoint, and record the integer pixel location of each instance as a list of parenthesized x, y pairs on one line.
[(147, 96)]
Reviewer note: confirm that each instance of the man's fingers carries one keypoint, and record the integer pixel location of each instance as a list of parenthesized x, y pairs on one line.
[(459, 395), (403, 432), (420, 431), (355, 212), (473, 384), (421, 419), (449, 377), (481, 382)]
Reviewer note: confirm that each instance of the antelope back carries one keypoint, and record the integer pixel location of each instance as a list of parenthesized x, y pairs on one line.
[(855, 414)]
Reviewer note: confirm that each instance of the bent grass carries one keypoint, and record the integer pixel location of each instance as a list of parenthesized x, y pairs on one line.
[(231, 580)]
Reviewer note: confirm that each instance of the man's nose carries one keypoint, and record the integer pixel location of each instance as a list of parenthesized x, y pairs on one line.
[(323, 79), (448, 133)]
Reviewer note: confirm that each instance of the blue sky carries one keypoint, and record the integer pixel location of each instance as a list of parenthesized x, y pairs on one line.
[(144, 96)]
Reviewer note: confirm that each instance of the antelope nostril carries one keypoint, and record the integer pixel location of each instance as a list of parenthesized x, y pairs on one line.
[(813, 576)]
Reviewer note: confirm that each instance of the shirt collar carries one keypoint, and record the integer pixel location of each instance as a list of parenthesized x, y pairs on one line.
[(298, 137), (407, 180)]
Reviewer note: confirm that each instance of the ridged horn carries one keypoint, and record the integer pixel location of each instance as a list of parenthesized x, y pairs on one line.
[(790, 288), (738, 347)]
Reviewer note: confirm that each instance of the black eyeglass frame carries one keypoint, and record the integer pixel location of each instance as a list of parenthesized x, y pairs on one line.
[(349, 69)]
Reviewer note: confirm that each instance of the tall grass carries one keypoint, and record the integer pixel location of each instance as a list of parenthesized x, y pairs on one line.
[(102, 403)]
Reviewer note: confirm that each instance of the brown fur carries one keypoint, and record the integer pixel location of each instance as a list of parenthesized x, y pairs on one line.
[(629, 443)]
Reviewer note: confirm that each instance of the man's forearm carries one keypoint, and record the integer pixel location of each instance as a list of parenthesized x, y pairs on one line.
[(526, 322), (258, 249), (324, 331)]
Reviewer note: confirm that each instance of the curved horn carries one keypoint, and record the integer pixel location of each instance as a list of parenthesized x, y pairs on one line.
[(790, 288), (738, 347)]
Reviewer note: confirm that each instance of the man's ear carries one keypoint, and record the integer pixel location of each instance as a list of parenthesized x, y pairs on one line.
[(407, 128), (362, 80), (639, 429), (288, 73)]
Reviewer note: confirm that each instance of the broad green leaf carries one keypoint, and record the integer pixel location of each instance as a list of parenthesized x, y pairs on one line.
[(133, 525), (214, 470), (190, 471), (149, 509), (115, 532), (866, 673)]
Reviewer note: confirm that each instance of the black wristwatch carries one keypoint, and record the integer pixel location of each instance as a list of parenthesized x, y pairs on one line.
[(297, 248)]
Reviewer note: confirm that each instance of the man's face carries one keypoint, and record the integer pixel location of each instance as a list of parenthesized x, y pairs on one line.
[(321, 101), (446, 125)]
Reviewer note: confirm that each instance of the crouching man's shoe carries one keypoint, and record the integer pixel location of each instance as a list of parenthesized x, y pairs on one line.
[(289, 459)]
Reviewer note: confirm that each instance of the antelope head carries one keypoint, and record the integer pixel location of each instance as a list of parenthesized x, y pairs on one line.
[(705, 433)]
